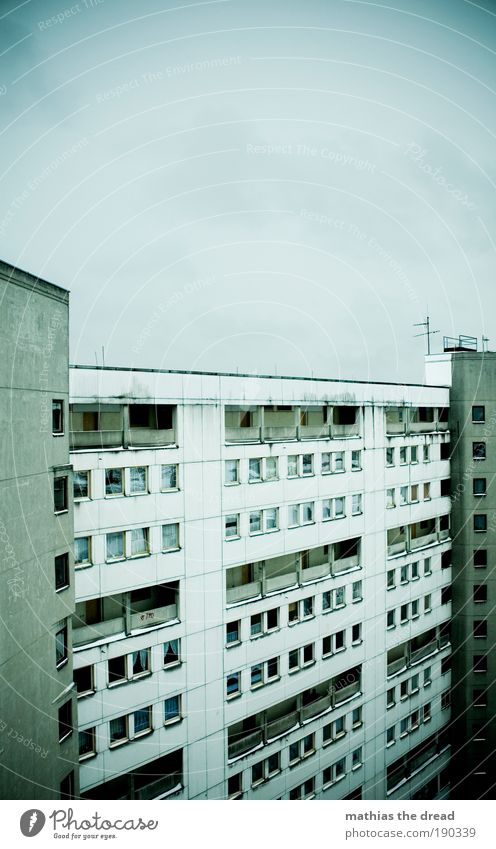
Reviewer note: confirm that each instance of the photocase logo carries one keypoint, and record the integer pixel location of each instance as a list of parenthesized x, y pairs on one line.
[(32, 822)]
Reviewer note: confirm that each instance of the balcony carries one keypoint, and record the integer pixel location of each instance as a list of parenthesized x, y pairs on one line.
[(82, 633), (140, 437), (418, 654), (157, 616), (96, 439), (344, 564), (160, 787), (98, 619), (313, 573), (153, 780), (347, 692), (345, 422), (242, 434), (315, 708), (281, 725), (243, 592), (242, 745), (280, 433)]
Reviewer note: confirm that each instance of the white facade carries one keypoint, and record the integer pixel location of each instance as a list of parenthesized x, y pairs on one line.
[(292, 704)]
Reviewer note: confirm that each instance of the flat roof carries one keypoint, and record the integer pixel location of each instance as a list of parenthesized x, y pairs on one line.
[(19, 277), (255, 376)]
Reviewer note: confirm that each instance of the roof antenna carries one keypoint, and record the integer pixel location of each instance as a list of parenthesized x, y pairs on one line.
[(428, 332), (484, 346)]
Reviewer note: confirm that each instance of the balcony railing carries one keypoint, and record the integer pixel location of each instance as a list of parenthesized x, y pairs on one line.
[(344, 693), (281, 725), (423, 651), (344, 431), (245, 744), (343, 564), (313, 573), (280, 582), (89, 633), (243, 434), (315, 708), (244, 592), (95, 439), (162, 785), (395, 428), (157, 616), (279, 433), (140, 437), (427, 539), (396, 665), (322, 431)]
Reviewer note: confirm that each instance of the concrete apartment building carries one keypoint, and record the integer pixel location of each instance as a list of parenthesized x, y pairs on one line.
[(471, 375), (38, 748), (263, 572)]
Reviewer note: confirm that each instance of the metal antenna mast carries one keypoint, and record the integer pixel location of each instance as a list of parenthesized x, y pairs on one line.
[(427, 333)]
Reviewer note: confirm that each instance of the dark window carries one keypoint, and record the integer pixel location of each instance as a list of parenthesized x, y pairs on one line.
[(344, 415), (80, 482), (62, 571), (57, 416), (87, 742), (117, 669), (478, 414), (156, 417), (480, 522), (479, 698), (272, 618), (480, 557), (67, 786), (232, 632), (445, 595), (480, 663), (91, 420), (65, 721), (60, 494), (445, 559), (479, 450), (443, 414), (480, 593), (446, 487), (479, 486), (445, 450), (234, 784), (83, 679), (480, 628), (61, 645), (445, 665)]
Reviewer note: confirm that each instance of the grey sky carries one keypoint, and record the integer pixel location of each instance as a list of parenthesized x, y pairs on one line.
[(254, 185)]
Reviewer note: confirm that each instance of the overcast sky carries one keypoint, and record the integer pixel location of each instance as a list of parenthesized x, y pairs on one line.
[(262, 185)]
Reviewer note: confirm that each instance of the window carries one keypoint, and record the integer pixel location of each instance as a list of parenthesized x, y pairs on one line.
[(414, 493), (65, 721), (169, 476), (480, 629), (356, 591), (256, 522), (404, 574), (391, 698), (479, 486), (308, 605), (172, 653), (308, 654), (82, 555), (415, 571), (140, 663), (445, 665), (117, 672), (390, 502), (170, 537), (334, 773), (292, 466), (326, 601), (142, 721), (114, 482), (390, 738), (389, 456), (61, 645), (60, 494), (338, 461), (404, 613), (254, 470), (256, 675), (61, 572), (231, 471), (325, 463), (480, 522), (307, 464), (138, 480), (427, 676), (232, 526), (480, 663), (356, 758), (81, 485), (480, 558), (413, 454), (57, 417), (427, 566), (300, 514), (446, 700), (479, 450), (479, 593), (307, 513), (118, 731), (478, 414), (87, 743), (67, 786), (172, 709), (390, 618), (403, 455), (83, 679), (479, 698), (356, 717), (425, 453), (390, 579), (271, 470), (356, 461), (356, 633), (271, 518), (427, 603), (233, 684), (356, 505), (415, 608), (403, 495), (139, 542), (272, 619), (235, 785), (294, 660), (115, 545), (427, 492)]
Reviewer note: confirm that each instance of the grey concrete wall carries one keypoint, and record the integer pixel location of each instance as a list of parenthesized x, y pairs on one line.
[(33, 371)]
